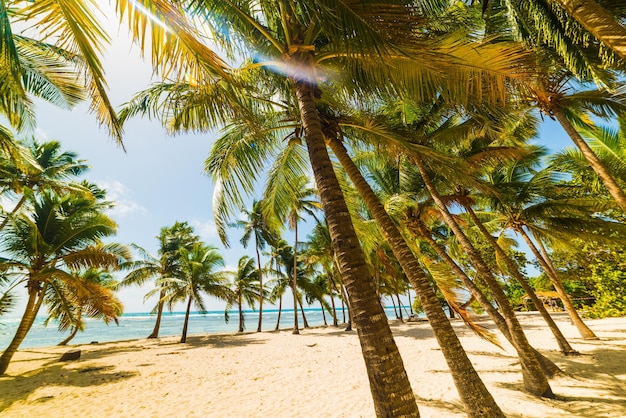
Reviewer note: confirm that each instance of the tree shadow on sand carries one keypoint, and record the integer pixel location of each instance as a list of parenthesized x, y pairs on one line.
[(20, 387)]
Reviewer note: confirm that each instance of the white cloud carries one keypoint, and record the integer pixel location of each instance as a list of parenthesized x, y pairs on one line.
[(121, 195), (206, 229), (41, 135)]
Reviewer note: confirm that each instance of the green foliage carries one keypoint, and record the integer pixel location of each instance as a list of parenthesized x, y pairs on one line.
[(610, 289)]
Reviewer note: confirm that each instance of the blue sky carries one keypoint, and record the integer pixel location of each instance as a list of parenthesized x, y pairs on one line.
[(159, 179)]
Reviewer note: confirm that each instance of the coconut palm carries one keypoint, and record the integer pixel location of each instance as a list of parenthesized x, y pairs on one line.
[(197, 276), (164, 266), (60, 235), (47, 167), (290, 49), (255, 225), (245, 287), (91, 295), (64, 71)]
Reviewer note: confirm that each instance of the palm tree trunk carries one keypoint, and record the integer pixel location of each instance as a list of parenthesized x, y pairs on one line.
[(258, 259), (602, 25), (35, 298), (547, 365), (332, 301), (473, 392), (296, 330), (400, 307), (408, 293), (534, 378), (347, 306), (157, 324), (241, 319), (183, 338), (323, 313), (395, 310), (389, 383), (514, 271), (583, 329), (280, 310), (74, 328), (593, 160), (304, 321)]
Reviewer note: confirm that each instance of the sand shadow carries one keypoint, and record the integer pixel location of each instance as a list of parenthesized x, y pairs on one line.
[(20, 387)]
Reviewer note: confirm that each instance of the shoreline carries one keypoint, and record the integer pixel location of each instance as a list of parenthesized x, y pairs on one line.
[(319, 372)]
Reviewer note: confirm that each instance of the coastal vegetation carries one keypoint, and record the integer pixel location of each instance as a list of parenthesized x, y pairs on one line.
[(405, 132)]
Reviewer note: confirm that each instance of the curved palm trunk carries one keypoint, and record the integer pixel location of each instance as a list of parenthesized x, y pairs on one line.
[(296, 330), (183, 338), (332, 302), (395, 310), (345, 306), (583, 329), (258, 259), (514, 271), (535, 380), (305, 323), (473, 392), (323, 313), (593, 17), (35, 299), (280, 310), (74, 329), (593, 160), (157, 324), (547, 365), (389, 383), (408, 293), (241, 319)]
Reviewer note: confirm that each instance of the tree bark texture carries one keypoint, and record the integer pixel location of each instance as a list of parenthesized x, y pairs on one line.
[(474, 394), (389, 383), (157, 324), (535, 380)]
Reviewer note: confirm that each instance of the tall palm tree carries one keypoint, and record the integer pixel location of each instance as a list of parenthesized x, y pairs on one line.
[(245, 287), (303, 202), (165, 266), (197, 277), (293, 48), (62, 234), (256, 225)]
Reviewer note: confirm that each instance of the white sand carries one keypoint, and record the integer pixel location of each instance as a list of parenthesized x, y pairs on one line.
[(319, 373)]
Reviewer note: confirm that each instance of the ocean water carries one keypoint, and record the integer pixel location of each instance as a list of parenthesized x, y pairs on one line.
[(139, 325)]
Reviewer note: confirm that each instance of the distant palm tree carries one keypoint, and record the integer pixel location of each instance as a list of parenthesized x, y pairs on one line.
[(62, 234), (91, 295), (245, 287), (256, 225), (197, 276), (165, 266)]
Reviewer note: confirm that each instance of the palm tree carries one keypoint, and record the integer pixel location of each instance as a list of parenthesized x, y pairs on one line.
[(197, 276), (63, 72), (245, 287), (62, 234), (256, 225), (291, 49), (47, 167), (303, 202), (91, 295), (165, 266)]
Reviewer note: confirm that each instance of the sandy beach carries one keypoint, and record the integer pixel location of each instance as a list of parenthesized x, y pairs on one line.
[(319, 373)]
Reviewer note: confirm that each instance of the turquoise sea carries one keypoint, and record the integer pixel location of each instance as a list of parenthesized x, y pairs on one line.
[(139, 325)]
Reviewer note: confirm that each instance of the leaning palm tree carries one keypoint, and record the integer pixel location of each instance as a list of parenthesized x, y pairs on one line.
[(293, 54), (245, 287), (91, 295), (197, 276), (60, 235), (164, 266), (256, 225)]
